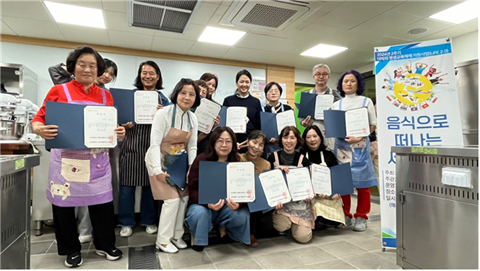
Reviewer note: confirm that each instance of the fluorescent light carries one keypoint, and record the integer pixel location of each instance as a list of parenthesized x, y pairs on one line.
[(324, 51), (220, 35), (62, 13), (458, 14)]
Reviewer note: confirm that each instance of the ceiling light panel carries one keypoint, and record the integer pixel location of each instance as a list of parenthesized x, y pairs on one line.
[(324, 51), (69, 14), (221, 36), (460, 13)]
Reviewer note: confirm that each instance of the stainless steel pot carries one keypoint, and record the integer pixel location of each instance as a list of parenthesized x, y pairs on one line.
[(9, 130)]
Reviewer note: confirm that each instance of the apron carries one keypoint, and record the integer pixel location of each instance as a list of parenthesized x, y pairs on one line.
[(358, 155), (172, 146), (301, 212), (79, 177)]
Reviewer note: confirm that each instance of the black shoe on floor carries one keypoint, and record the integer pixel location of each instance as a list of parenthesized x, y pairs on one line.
[(74, 260), (198, 248), (112, 254)]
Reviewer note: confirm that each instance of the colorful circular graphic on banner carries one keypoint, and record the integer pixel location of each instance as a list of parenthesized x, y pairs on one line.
[(412, 89)]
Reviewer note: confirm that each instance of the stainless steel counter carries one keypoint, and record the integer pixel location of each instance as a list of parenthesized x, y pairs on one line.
[(15, 210), (437, 222)]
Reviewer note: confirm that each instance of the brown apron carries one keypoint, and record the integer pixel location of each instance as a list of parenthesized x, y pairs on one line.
[(172, 145)]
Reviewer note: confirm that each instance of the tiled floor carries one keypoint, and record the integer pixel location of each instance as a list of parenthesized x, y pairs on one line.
[(329, 249)]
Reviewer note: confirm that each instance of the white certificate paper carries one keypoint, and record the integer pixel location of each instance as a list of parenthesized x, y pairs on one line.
[(321, 180), (300, 184), (274, 187), (206, 112), (284, 119), (236, 119), (323, 102), (145, 106), (99, 125), (356, 121), (241, 181)]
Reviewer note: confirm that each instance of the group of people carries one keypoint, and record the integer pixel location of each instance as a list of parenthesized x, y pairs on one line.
[(147, 151)]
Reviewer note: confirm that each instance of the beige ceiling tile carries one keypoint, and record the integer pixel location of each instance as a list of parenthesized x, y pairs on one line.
[(169, 45), (425, 8), (118, 21), (318, 32), (208, 49), (472, 24), (203, 13), (268, 43), (276, 58), (31, 9), (117, 6), (217, 16), (130, 40), (192, 33), (5, 29), (243, 54), (33, 28), (384, 24), (325, 9), (433, 26), (82, 34), (449, 33), (369, 45), (83, 3)]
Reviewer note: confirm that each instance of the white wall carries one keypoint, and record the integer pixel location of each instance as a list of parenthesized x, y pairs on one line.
[(306, 77), (39, 58), (465, 47)]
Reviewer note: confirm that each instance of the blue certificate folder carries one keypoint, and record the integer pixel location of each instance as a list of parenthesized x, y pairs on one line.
[(269, 124), (212, 182), (341, 176), (178, 170), (70, 127), (223, 116), (307, 105), (123, 99), (260, 203), (334, 121)]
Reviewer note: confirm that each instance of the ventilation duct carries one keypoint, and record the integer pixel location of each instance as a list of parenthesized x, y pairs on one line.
[(165, 15), (268, 15)]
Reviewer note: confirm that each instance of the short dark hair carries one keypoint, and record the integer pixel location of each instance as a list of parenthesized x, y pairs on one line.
[(319, 133), (138, 81), (209, 76), (270, 85), (179, 87), (257, 134), (203, 84), (84, 50), (285, 131), (210, 152), (243, 72), (109, 63), (360, 82)]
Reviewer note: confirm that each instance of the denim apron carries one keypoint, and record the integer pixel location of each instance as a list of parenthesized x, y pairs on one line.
[(271, 147), (358, 155), (79, 177)]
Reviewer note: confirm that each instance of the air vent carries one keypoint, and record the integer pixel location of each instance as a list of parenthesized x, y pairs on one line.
[(164, 15)]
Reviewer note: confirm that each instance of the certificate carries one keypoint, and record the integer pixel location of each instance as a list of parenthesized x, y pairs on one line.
[(323, 102), (299, 183), (321, 180), (241, 181), (275, 188), (145, 105), (99, 125), (236, 119), (356, 122), (206, 112), (285, 119)]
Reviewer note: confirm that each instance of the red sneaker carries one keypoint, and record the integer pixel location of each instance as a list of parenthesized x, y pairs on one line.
[(253, 241)]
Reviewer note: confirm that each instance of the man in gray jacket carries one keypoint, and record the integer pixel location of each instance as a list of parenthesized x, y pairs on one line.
[(321, 74)]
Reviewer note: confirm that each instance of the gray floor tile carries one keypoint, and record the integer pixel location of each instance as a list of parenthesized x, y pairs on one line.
[(388, 254), (188, 258), (334, 264), (311, 255), (342, 249), (142, 238), (369, 243), (203, 267), (51, 261), (264, 247), (119, 264), (42, 238), (247, 263), (163, 260), (328, 236), (224, 253), (278, 260), (121, 242), (370, 261), (40, 247), (54, 248), (35, 260), (288, 243)]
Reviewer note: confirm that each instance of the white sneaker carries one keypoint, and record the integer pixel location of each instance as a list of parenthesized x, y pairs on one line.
[(126, 231), (169, 249), (151, 229), (360, 224), (179, 243), (85, 238)]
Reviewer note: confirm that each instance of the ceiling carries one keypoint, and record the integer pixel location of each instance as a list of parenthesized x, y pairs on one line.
[(358, 25)]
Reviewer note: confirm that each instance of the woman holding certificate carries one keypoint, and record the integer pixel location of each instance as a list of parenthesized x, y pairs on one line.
[(228, 214), (212, 82), (174, 131), (242, 98), (203, 138), (356, 150), (328, 210), (80, 177), (298, 215)]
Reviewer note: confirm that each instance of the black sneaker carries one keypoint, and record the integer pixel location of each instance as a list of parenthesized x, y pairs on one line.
[(111, 254), (74, 260)]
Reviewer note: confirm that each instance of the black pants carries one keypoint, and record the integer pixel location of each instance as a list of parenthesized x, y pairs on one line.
[(65, 223)]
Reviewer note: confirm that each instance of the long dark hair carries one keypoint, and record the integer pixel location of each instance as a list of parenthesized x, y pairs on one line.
[(138, 81), (319, 133), (211, 154)]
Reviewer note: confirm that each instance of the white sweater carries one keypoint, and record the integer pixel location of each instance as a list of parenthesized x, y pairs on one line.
[(354, 101)]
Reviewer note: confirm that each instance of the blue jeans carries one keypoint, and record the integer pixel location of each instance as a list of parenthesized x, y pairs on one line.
[(126, 206), (199, 221)]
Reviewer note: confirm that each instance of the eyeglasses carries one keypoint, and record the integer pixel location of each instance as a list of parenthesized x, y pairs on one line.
[(221, 142), (321, 74)]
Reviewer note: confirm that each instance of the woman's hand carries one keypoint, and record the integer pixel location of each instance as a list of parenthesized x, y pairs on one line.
[(217, 206), (45, 131), (321, 196), (279, 205), (216, 121), (336, 197), (162, 177), (128, 125), (307, 122), (284, 168), (242, 145), (120, 132), (232, 204), (308, 199), (353, 140), (272, 140)]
